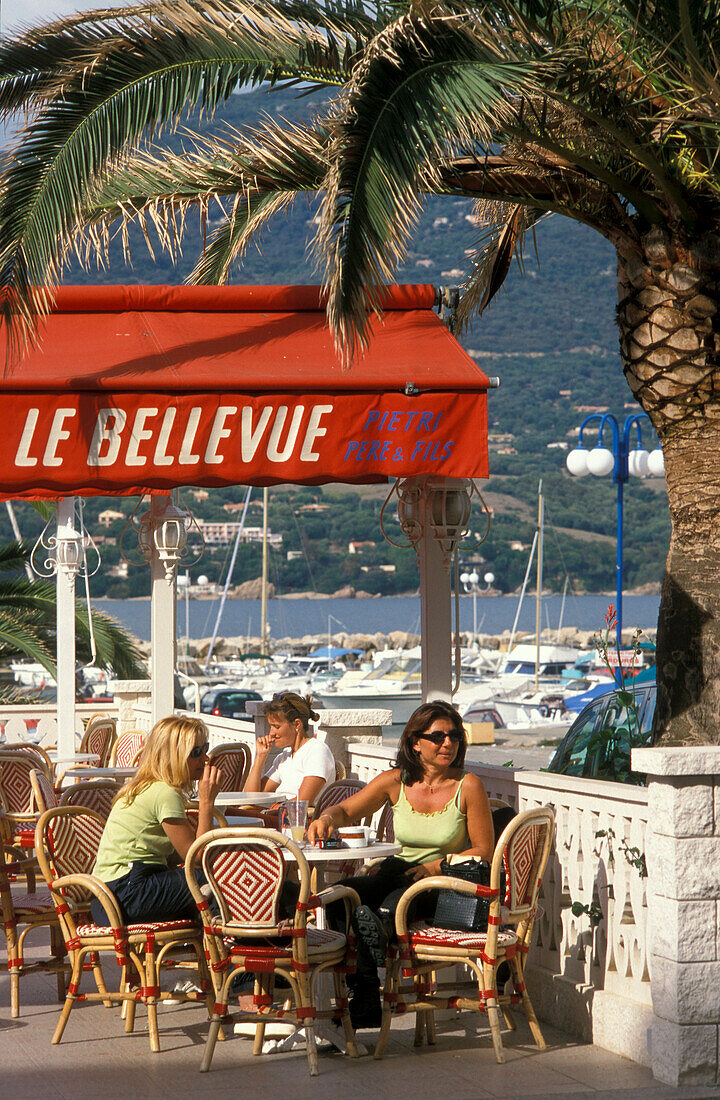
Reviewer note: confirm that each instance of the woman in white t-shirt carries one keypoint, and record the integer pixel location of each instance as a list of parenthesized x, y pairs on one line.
[(304, 765)]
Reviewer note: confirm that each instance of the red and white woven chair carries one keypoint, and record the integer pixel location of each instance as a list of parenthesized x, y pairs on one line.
[(17, 795), (67, 840), (523, 851), (245, 869), (99, 738), (94, 794), (127, 748), (44, 794), (23, 911), (234, 763)]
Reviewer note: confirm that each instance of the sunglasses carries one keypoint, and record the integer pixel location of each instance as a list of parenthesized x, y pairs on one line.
[(199, 750), (438, 738)]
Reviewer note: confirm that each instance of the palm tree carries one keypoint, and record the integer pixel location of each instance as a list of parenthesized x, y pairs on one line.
[(27, 622), (605, 111)]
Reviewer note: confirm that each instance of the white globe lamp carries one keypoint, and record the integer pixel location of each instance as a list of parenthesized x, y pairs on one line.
[(489, 578), (202, 580), (656, 463), (600, 461), (638, 462), (576, 462)]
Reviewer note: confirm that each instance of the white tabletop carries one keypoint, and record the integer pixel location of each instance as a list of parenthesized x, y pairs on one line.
[(100, 773), (374, 849), (73, 758), (247, 798)]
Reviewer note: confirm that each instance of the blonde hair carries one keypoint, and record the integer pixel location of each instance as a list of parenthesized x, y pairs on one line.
[(165, 755)]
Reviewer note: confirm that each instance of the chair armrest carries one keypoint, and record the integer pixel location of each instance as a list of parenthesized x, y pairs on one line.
[(339, 893), (438, 882), (98, 889)]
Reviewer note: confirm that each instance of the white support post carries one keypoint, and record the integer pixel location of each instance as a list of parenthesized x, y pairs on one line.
[(67, 564), (435, 620), (163, 611)]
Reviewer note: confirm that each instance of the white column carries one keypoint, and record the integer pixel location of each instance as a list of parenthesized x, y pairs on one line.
[(683, 857), (435, 608), (67, 561), (163, 610)]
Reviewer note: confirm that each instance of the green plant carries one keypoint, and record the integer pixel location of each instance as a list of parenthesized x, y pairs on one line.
[(614, 743), (633, 855), (593, 910)]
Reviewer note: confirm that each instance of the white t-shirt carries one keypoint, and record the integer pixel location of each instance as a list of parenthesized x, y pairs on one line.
[(312, 758)]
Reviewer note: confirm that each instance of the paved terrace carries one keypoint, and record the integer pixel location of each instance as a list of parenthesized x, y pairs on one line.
[(97, 1059)]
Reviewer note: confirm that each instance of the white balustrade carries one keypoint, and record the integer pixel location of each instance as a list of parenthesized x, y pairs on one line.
[(38, 723)]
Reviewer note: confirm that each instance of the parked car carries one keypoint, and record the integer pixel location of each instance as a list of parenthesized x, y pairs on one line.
[(599, 742), (227, 702)]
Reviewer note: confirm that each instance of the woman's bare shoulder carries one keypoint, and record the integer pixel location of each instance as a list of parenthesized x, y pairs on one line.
[(473, 787)]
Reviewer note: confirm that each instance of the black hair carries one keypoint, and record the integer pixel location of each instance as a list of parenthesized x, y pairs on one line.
[(411, 770)]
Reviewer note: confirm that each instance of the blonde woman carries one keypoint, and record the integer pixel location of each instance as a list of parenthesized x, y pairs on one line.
[(148, 835)]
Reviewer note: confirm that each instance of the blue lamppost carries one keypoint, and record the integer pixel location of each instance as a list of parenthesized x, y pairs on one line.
[(622, 461)]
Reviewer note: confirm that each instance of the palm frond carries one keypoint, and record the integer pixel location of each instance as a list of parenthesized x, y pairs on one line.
[(261, 169), (188, 54), (408, 108)]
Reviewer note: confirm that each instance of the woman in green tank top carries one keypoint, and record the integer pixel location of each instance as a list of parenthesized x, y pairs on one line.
[(438, 809)]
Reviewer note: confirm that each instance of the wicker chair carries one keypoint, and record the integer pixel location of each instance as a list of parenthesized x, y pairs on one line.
[(523, 851), (245, 869), (127, 748), (337, 792), (67, 840), (99, 737), (234, 762), (44, 794), (23, 912), (94, 794), (17, 795)]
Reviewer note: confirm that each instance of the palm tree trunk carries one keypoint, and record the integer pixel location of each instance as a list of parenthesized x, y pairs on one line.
[(669, 317)]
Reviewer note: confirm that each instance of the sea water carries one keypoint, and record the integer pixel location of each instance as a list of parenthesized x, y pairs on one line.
[(295, 618)]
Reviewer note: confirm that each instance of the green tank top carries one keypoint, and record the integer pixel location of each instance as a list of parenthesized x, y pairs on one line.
[(425, 837)]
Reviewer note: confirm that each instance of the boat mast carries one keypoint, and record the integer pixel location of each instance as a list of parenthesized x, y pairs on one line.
[(538, 598), (263, 593), (238, 536)]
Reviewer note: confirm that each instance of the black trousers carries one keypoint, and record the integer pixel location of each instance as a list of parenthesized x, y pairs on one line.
[(381, 892)]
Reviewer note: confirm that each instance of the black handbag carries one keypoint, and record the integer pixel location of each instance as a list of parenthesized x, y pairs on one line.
[(464, 912)]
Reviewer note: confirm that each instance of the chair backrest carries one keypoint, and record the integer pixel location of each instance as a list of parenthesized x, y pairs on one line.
[(43, 791), (94, 794), (31, 747), (234, 763), (126, 748), (523, 851), (340, 770), (66, 842), (15, 786), (386, 824), (99, 738), (245, 870), (336, 792)]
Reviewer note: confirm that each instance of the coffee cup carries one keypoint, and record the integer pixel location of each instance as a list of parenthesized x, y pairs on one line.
[(355, 836)]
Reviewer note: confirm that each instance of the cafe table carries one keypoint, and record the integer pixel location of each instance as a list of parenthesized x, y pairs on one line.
[(99, 773), (74, 758), (281, 1037), (247, 798)]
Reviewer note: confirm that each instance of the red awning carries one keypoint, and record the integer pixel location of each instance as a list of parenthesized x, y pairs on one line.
[(149, 387)]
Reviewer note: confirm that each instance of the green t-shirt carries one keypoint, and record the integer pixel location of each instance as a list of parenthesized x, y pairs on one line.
[(134, 833)]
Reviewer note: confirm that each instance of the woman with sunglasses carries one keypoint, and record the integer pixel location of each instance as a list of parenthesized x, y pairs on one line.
[(147, 834), (438, 809), (304, 764)]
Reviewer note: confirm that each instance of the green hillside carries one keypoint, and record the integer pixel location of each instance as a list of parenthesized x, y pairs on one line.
[(549, 335)]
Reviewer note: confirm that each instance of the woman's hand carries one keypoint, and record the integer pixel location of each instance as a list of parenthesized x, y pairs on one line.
[(320, 829), (263, 746), (426, 870), (209, 785)]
